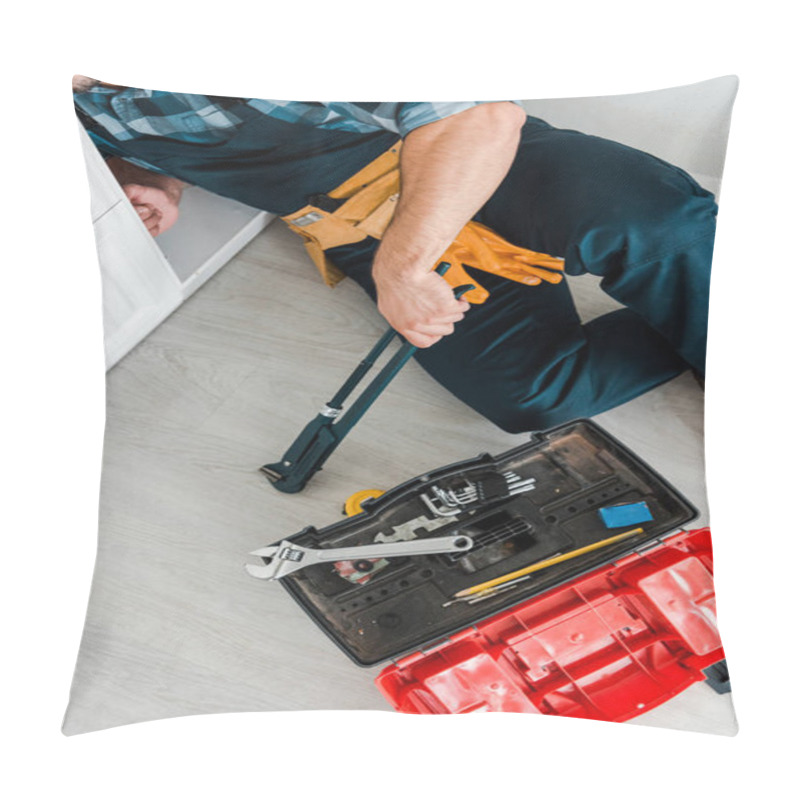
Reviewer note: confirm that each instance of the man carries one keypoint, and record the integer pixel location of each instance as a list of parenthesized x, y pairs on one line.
[(522, 359)]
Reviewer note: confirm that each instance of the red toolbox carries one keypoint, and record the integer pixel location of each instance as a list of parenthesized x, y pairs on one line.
[(607, 646), (607, 634)]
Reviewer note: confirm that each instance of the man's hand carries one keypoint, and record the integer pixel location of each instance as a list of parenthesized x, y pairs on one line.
[(157, 208), (448, 170), (420, 307), (154, 196)]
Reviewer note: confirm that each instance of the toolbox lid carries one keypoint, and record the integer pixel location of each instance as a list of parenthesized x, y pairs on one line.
[(610, 645), (568, 489)]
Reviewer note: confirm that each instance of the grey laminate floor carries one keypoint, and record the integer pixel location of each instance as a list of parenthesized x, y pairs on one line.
[(175, 626)]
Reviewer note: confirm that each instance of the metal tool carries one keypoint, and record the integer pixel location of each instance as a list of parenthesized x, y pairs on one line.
[(452, 502), (287, 557), (321, 436), (406, 531)]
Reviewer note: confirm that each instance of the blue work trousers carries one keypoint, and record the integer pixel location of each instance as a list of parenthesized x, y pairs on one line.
[(645, 227)]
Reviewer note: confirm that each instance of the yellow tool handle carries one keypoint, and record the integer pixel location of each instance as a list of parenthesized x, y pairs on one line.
[(352, 505), (549, 562)]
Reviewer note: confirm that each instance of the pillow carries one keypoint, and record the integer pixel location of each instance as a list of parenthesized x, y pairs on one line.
[(589, 263)]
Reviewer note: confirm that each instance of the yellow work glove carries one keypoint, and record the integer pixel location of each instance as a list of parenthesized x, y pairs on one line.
[(479, 247)]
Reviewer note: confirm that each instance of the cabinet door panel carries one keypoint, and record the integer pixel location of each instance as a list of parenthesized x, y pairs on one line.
[(139, 288), (105, 191)]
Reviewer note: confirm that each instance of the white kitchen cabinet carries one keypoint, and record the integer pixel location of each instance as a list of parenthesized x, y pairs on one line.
[(139, 289), (146, 279)]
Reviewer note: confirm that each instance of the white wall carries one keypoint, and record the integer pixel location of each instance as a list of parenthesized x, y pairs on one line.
[(687, 125)]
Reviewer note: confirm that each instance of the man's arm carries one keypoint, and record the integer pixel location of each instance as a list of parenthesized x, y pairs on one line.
[(448, 170), (154, 196)]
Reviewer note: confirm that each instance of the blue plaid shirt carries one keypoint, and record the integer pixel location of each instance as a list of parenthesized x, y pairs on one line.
[(128, 114), (187, 134)]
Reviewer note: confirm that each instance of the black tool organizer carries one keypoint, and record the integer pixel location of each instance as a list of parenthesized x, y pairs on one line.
[(398, 607)]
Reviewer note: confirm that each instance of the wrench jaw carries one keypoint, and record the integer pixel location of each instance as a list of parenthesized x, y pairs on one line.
[(279, 560), (263, 571)]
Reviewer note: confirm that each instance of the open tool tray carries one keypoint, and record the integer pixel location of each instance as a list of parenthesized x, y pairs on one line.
[(520, 507)]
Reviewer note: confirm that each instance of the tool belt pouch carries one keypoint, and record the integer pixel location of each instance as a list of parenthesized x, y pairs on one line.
[(363, 207)]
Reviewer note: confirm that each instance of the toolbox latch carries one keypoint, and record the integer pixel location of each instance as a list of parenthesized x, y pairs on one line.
[(648, 547), (665, 538), (417, 655), (425, 651)]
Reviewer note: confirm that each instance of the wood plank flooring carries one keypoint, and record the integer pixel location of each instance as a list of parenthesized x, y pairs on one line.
[(174, 624)]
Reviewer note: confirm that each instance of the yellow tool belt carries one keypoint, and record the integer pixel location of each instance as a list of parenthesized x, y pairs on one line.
[(363, 207)]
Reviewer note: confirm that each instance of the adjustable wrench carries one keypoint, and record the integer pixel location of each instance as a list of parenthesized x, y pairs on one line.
[(287, 557)]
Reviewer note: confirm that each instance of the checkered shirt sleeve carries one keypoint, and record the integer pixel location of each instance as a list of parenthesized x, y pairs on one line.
[(400, 118), (126, 114)]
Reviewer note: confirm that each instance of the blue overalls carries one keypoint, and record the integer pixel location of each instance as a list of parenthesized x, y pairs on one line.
[(522, 359)]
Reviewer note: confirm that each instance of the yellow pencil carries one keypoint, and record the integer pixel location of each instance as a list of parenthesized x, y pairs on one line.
[(547, 563)]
